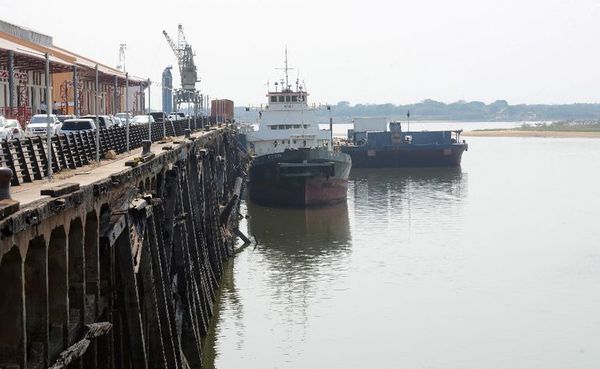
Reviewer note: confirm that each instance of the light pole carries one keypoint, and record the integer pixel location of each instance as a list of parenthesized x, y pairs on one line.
[(48, 107), (97, 121), (127, 111), (149, 116), (330, 126)]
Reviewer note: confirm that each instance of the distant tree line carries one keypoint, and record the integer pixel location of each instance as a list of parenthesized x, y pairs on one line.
[(499, 110)]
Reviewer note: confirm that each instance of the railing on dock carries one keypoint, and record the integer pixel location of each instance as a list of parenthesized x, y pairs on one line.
[(27, 157)]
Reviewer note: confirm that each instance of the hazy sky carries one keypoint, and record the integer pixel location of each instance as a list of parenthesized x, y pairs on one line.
[(397, 51)]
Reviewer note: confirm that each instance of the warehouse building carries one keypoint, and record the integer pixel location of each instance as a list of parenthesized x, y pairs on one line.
[(73, 79)]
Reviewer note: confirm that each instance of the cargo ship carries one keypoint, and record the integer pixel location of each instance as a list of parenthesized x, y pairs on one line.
[(394, 148), (293, 161)]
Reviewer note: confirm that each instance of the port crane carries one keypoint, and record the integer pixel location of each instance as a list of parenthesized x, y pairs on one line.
[(187, 70), (185, 59)]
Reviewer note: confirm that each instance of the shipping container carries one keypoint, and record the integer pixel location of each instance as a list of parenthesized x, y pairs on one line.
[(222, 110)]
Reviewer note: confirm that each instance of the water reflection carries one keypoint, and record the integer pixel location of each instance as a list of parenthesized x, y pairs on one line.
[(424, 267), (227, 296), (406, 197), (300, 247), (298, 251), (300, 233), (395, 182)]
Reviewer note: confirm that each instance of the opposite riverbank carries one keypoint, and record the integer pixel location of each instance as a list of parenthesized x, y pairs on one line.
[(530, 133), (566, 129)]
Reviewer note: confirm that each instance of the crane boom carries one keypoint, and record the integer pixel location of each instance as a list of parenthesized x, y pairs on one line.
[(185, 59), (174, 47), (182, 42)]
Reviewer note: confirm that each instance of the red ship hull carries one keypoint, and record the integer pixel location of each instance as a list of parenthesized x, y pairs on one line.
[(305, 177), (316, 191)]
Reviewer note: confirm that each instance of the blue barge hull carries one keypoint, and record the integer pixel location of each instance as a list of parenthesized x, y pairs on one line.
[(413, 156), (395, 149)]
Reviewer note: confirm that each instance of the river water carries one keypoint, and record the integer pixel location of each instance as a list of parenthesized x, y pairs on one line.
[(494, 265)]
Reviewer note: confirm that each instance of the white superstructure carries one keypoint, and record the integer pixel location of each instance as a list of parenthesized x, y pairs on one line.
[(287, 122)]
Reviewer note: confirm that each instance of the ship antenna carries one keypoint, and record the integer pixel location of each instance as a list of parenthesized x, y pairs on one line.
[(286, 69), (287, 85)]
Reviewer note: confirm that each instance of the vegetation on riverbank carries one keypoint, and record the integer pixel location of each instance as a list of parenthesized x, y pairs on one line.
[(557, 129), (431, 110)]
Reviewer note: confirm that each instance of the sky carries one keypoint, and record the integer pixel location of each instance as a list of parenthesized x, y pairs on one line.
[(376, 51)]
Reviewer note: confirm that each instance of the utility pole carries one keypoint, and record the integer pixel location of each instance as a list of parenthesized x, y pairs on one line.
[(149, 116), (127, 111), (97, 121), (48, 107)]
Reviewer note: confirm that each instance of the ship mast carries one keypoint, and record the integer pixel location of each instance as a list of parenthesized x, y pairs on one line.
[(286, 69)]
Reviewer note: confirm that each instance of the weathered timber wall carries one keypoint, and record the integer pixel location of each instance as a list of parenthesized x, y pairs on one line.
[(121, 273)]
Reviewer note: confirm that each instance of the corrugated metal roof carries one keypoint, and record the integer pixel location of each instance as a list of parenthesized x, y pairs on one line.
[(60, 59), (29, 49), (82, 61)]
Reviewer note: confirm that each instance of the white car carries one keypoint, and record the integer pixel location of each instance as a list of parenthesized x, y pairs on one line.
[(123, 116), (3, 131), (10, 128), (176, 116), (13, 129), (38, 125), (119, 122), (142, 119)]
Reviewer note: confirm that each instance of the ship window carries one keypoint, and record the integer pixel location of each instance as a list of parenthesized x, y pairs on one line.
[(294, 141), (305, 126), (281, 126), (294, 98), (288, 98), (273, 127), (297, 126), (273, 98), (281, 98)]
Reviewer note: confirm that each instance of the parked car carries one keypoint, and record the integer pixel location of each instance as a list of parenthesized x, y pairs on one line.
[(62, 118), (118, 121), (142, 119), (159, 116), (123, 116), (13, 129), (176, 116), (3, 132), (115, 122), (104, 121), (71, 126), (38, 124)]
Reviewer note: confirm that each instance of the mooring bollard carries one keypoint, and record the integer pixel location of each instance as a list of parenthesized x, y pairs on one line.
[(187, 132), (146, 147), (5, 178)]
